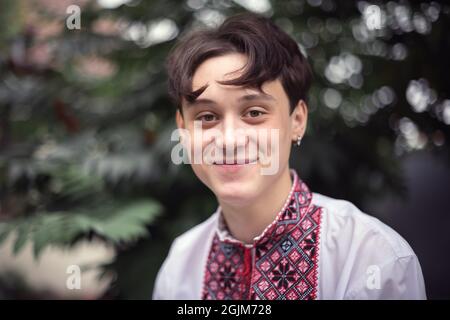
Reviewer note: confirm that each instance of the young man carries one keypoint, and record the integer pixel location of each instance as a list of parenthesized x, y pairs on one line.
[(271, 237)]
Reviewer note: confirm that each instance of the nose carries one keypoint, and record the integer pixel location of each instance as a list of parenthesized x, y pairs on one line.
[(234, 137)]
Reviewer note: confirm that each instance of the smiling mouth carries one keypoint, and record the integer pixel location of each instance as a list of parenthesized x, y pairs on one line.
[(236, 162)]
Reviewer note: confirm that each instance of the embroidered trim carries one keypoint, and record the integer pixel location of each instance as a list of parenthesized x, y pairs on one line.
[(284, 258), (317, 253)]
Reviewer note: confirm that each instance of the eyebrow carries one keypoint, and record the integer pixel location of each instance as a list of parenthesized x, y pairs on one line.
[(244, 98), (259, 96)]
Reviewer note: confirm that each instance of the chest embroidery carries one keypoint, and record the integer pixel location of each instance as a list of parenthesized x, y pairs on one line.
[(281, 264)]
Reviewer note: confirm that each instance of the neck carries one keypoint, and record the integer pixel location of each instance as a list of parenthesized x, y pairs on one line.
[(249, 221)]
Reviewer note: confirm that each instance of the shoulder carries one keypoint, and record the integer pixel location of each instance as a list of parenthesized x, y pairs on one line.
[(195, 237), (356, 248), (345, 222), (186, 255)]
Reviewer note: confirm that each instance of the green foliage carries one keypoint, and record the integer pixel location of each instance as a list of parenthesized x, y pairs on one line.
[(117, 222)]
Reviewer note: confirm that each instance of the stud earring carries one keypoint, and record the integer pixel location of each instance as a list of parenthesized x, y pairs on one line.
[(299, 141)]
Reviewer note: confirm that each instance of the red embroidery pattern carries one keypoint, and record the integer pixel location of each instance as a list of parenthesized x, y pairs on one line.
[(281, 264)]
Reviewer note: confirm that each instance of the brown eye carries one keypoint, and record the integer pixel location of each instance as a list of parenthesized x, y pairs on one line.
[(254, 113), (207, 117)]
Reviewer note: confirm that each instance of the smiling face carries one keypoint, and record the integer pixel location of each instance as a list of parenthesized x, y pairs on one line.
[(236, 112)]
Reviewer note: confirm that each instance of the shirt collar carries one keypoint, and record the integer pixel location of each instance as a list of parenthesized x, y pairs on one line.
[(287, 218)]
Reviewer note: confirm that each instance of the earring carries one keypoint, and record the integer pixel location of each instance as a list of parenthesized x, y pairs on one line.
[(299, 141)]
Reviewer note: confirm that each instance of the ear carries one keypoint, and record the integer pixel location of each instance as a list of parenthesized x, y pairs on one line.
[(179, 120), (299, 119)]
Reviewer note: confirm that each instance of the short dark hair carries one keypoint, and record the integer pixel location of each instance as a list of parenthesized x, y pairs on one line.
[(271, 53)]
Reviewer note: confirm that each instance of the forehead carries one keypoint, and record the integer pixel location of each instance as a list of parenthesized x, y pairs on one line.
[(218, 69), (228, 67)]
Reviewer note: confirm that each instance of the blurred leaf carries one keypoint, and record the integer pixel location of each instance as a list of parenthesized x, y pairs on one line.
[(119, 222)]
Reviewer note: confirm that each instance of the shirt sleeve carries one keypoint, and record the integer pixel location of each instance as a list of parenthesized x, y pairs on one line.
[(162, 287), (161, 290), (400, 279)]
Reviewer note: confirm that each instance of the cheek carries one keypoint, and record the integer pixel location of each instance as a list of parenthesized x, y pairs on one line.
[(284, 149), (201, 173), (283, 141), (195, 144), (200, 137), (284, 146)]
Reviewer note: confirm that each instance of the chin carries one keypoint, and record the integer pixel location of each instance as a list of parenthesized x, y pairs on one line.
[(235, 195), (236, 185)]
